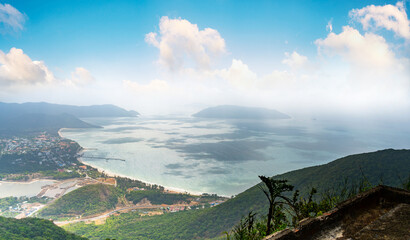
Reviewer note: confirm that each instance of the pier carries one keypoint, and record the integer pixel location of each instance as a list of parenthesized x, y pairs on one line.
[(105, 158)]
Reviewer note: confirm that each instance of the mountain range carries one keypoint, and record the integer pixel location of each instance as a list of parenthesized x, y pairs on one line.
[(27, 118), (107, 110)]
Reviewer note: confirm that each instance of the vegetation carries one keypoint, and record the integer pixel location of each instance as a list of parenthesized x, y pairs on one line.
[(180, 225), (388, 165), (85, 201), (6, 202), (28, 163), (61, 175), (298, 208), (33, 228), (157, 197), (126, 183), (249, 228), (274, 189)]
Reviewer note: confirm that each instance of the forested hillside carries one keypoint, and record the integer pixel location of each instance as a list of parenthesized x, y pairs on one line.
[(85, 201), (33, 228)]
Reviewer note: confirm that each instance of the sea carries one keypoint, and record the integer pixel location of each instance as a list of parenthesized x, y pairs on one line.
[(223, 156)]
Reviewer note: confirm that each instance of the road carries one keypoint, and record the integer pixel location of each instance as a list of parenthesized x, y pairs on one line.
[(107, 214)]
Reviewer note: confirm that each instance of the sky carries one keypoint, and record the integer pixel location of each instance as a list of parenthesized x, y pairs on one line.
[(304, 58)]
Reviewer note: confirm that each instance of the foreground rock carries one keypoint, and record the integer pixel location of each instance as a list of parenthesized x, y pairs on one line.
[(380, 213)]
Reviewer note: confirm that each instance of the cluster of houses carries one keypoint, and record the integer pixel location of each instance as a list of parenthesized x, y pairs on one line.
[(24, 209), (21, 145), (43, 149)]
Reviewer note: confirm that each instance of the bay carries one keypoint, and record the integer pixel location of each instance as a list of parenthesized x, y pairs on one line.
[(223, 156)]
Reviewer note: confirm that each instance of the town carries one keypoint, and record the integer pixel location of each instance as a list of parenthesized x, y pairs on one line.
[(41, 152)]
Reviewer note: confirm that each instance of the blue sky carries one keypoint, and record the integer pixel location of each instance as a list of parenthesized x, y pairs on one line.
[(68, 33), (92, 48)]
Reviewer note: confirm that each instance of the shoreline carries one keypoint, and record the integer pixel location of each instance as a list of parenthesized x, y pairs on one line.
[(112, 174)]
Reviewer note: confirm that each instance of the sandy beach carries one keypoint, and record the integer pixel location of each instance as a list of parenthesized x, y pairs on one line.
[(112, 174)]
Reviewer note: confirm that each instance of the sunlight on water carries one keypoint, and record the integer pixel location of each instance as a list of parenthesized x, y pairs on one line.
[(218, 156)]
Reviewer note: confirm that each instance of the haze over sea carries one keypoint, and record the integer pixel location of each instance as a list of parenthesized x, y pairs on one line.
[(223, 156)]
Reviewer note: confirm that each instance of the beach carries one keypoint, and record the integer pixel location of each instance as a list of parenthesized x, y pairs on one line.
[(113, 174)]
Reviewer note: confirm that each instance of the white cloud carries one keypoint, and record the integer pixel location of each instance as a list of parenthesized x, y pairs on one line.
[(239, 75), (181, 42), (374, 77), (329, 26), (295, 60), (155, 86), (10, 18), (363, 51), (16, 68), (277, 79), (391, 17), (80, 77)]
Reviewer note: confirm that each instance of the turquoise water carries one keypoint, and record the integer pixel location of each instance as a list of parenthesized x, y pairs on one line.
[(223, 157)]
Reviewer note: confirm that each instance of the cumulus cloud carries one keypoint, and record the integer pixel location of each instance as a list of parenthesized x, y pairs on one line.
[(374, 77), (364, 51), (10, 18), (238, 74), (80, 77), (181, 42), (155, 86), (16, 68), (295, 60), (393, 18)]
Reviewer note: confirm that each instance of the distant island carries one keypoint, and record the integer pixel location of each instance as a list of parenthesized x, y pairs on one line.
[(239, 112), (27, 118)]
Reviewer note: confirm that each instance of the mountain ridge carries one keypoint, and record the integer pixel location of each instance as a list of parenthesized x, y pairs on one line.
[(106, 110), (31, 117)]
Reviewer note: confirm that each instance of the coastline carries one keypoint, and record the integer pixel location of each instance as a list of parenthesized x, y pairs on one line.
[(59, 132), (112, 174)]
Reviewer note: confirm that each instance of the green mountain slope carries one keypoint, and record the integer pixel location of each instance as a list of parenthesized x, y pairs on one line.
[(85, 201), (389, 164), (33, 228)]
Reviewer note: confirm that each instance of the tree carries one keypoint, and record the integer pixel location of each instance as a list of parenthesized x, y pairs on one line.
[(274, 191)]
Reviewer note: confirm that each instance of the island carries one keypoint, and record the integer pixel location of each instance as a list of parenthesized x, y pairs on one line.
[(240, 112)]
